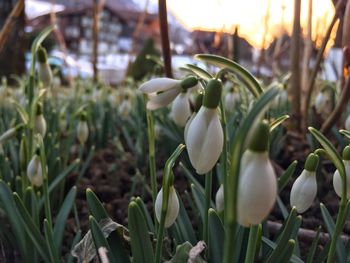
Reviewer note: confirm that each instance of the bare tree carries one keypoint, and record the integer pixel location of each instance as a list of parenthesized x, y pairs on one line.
[(12, 22)]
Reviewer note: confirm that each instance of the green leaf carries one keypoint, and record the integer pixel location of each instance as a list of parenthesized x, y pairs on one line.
[(62, 216), (74, 242), (99, 239), (37, 42), (141, 246), (331, 151), (95, 206), (21, 111), (9, 206), (50, 242), (345, 133), (199, 72), (275, 123), (284, 178), (221, 62), (327, 218), (312, 250), (216, 237), (146, 214), (272, 245), (34, 233), (199, 200)]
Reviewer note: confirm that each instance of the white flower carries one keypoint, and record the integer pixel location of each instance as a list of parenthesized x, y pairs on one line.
[(320, 102), (304, 191), (219, 199), (173, 206), (82, 131), (40, 125), (180, 109), (34, 171), (204, 140), (45, 73), (337, 182), (188, 123), (347, 123), (257, 189), (162, 91)]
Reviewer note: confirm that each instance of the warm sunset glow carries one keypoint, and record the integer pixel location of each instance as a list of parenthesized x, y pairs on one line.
[(249, 16)]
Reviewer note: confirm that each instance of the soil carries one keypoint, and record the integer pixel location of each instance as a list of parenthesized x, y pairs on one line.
[(114, 179)]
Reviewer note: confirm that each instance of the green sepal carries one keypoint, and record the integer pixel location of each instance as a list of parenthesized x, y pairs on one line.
[(188, 83), (212, 94), (311, 162), (260, 139), (42, 55), (346, 153)]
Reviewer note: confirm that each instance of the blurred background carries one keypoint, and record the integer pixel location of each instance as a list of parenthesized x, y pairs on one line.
[(105, 36)]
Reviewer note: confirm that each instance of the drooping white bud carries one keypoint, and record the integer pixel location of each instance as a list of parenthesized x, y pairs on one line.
[(257, 188), (304, 189), (34, 171), (180, 109), (173, 206), (219, 199), (337, 181), (40, 125), (82, 131)]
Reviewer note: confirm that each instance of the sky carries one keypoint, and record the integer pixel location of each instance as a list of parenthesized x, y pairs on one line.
[(248, 15)]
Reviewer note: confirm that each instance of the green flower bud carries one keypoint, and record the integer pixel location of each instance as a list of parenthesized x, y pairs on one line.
[(346, 153), (188, 82), (260, 137), (212, 94), (42, 55), (311, 162), (198, 103)]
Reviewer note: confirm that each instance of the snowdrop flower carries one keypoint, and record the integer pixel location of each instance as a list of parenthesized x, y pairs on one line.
[(180, 109), (337, 181), (219, 199), (40, 122), (44, 70), (197, 106), (34, 171), (173, 206), (231, 100), (347, 123), (257, 188), (304, 189), (204, 137), (162, 91), (82, 129)]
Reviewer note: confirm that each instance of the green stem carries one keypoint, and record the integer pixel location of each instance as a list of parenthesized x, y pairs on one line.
[(152, 159), (208, 189), (252, 243), (339, 225), (230, 229), (160, 233), (223, 158)]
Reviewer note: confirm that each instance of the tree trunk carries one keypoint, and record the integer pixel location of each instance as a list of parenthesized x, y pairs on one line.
[(295, 66), (12, 57)]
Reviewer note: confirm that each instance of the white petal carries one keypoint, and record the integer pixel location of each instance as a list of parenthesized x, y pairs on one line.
[(219, 199), (158, 84), (257, 190), (180, 109), (160, 100), (188, 123), (303, 191), (337, 182), (205, 140), (173, 207)]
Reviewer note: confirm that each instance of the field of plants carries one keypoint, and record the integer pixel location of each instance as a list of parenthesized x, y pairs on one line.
[(211, 166)]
